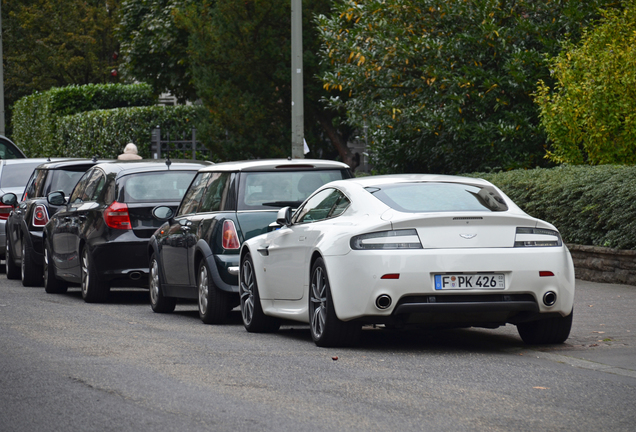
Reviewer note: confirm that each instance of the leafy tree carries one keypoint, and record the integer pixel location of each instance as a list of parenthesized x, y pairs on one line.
[(590, 112), (154, 48), (54, 43), (445, 86)]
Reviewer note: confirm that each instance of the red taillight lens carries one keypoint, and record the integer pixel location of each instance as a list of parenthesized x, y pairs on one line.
[(116, 216), (230, 237), (40, 216), (5, 210), (545, 273)]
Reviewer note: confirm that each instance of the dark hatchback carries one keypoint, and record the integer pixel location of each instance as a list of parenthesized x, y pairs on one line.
[(195, 254), (24, 253), (99, 238)]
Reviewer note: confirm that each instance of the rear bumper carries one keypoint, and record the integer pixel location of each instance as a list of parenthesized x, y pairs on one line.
[(122, 260)]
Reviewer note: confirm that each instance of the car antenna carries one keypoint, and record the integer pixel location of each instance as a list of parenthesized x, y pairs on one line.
[(48, 159), (168, 161), (94, 158)]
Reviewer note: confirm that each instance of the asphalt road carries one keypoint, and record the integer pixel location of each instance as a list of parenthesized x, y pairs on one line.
[(70, 366)]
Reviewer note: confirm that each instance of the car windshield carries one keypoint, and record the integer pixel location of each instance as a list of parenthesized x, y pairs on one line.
[(428, 197), (17, 175), (155, 186), (271, 190)]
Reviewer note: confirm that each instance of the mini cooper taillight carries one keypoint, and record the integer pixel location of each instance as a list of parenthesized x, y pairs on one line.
[(396, 239), (116, 216), (40, 216), (230, 237)]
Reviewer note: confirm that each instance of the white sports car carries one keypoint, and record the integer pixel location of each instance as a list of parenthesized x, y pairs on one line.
[(408, 250)]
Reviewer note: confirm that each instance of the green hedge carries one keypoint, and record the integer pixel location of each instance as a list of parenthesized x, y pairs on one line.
[(106, 132), (35, 117), (590, 205)]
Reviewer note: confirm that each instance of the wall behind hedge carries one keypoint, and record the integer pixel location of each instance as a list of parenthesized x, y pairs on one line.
[(105, 133), (590, 205)]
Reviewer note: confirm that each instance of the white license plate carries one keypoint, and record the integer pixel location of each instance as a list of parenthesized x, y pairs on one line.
[(469, 281)]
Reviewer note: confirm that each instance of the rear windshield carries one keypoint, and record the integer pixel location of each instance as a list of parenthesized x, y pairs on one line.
[(155, 186), (17, 175), (272, 190), (438, 197)]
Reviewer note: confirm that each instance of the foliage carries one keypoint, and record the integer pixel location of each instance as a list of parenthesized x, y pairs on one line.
[(106, 132), (36, 116), (54, 43), (590, 205), (153, 48), (590, 112), (445, 86)]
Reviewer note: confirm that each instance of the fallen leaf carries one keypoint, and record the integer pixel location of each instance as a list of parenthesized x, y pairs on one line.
[(599, 332), (591, 306), (541, 388), (334, 358), (593, 345)]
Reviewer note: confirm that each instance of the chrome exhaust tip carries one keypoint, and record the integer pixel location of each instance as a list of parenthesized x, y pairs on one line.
[(383, 302), (549, 298)]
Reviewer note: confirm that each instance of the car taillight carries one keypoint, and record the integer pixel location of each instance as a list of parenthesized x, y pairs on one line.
[(40, 216), (116, 216), (5, 210), (230, 237), (396, 239)]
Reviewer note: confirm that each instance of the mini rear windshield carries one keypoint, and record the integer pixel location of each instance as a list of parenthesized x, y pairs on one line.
[(155, 186), (438, 197), (275, 189)]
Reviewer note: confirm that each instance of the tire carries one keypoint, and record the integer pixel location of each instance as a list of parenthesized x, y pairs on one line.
[(13, 271), (31, 272), (213, 303), (52, 284), (546, 331), (326, 329), (158, 302), (254, 320), (94, 290)]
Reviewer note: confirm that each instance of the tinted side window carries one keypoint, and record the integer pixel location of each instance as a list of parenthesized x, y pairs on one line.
[(34, 186), (216, 193), (192, 198), (78, 192), (94, 186), (325, 204)]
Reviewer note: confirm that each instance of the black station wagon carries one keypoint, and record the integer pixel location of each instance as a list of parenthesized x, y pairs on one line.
[(99, 237), (195, 254)]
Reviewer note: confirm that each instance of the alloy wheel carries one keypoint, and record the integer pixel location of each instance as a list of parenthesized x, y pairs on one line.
[(154, 282), (246, 291), (23, 260), (318, 302), (85, 273), (203, 290)]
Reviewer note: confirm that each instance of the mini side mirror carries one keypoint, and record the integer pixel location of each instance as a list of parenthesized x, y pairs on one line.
[(56, 198), (162, 213), (9, 199), (283, 218)]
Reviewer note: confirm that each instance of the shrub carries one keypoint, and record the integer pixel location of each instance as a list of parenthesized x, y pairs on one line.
[(35, 117), (590, 205), (106, 132)]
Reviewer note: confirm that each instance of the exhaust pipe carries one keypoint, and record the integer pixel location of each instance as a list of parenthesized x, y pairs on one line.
[(134, 275), (383, 301), (549, 298)]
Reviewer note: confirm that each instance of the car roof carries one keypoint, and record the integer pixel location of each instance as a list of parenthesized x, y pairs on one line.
[(276, 164), (123, 167), (8, 143), (63, 163), (20, 161), (381, 180)]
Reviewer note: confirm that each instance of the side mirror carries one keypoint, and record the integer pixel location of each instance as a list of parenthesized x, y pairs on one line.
[(163, 213), (56, 198), (9, 199), (283, 218)]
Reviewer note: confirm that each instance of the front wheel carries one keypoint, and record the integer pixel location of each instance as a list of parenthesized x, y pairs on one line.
[(31, 272), (94, 290), (326, 329), (52, 285), (553, 330), (158, 302), (254, 320), (213, 303)]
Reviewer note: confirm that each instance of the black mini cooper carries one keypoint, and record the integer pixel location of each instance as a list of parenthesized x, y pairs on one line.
[(99, 237), (195, 254), (24, 226)]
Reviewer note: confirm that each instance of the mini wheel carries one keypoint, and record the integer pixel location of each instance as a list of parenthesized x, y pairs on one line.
[(31, 272), (213, 303), (52, 284)]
